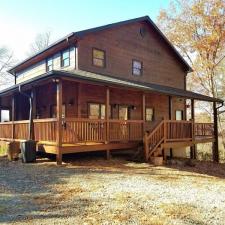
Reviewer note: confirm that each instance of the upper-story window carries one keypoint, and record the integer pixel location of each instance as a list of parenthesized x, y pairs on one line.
[(65, 58), (98, 57), (137, 67), (49, 64)]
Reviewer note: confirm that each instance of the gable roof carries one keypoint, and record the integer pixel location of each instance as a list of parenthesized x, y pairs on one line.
[(82, 33)]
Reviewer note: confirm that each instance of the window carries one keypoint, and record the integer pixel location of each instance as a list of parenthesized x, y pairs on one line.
[(137, 67), (98, 58), (65, 58), (149, 114), (96, 111), (53, 111), (179, 115), (49, 64), (5, 115)]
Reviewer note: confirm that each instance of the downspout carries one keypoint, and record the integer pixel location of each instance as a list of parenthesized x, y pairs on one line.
[(30, 97), (222, 104)]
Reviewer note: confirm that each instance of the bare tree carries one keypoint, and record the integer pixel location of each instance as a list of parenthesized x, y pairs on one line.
[(6, 62), (42, 40)]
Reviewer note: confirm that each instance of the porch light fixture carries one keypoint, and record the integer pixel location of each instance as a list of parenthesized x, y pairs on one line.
[(188, 106), (71, 102), (133, 107)]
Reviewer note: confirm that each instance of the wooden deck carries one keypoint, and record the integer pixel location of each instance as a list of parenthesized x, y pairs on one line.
[(83, 135)]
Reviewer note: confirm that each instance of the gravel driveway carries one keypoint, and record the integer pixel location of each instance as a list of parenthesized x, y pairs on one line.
[(96, 191)]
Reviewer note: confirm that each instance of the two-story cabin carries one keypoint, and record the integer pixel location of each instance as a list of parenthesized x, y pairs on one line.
[(106, 88)]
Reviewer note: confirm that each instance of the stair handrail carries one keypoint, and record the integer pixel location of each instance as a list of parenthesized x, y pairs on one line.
[(147, 137)]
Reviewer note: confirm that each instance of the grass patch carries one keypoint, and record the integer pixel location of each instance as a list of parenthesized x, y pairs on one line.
[(3, 151)]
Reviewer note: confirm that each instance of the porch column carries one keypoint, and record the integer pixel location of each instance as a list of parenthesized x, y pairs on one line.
[(78, 100), (215, 144), (193, 148), (34, 103), (170, 118), (13, 116), (107, 105), (59, 121), (143, 111)]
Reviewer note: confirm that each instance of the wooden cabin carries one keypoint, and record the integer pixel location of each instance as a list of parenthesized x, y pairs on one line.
[(106, 88)]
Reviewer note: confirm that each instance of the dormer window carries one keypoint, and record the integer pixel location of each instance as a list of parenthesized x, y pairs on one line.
[(137, 67), (98, 57), (65, 58), (49, 64)]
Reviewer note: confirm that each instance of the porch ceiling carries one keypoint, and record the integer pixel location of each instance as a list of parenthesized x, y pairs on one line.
[(109, 80)]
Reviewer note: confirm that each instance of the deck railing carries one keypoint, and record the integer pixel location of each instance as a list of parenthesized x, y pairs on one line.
[(83, 130), (204, 129), (178, 130), (75, 130), (45, 129), (175, 131)]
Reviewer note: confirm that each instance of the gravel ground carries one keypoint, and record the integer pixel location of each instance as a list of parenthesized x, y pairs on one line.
[(92, 190)]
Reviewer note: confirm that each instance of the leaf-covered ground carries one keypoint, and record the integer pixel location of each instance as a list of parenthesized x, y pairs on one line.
[(92, 190)]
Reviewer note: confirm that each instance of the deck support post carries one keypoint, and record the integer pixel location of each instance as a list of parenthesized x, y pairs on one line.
[(108, 155), (59, 121), (193, 147), (13, 117), (215, 144), (170, 118)]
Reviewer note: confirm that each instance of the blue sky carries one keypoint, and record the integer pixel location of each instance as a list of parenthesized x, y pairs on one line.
[(21, 20)]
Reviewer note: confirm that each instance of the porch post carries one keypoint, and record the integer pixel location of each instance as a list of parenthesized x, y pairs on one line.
[(107, 105), (78, 100), (170, 118), (13, 116), (193, 148), (143, 111), (215, 144), (59, 121), (34, 103)]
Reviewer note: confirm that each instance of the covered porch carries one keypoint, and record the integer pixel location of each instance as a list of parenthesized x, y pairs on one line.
[(75, 114)]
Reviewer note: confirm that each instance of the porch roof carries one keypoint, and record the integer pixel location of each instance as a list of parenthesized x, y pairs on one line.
[(109, 80)]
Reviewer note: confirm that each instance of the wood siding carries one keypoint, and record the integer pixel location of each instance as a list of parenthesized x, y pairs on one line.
[(40, 67), (89, 93), (122, 44)]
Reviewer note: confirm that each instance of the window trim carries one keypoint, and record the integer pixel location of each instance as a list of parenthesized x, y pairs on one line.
[(132, 67), (51, 57), (99, 111), (104, 60), (61, 58), (182, 114)]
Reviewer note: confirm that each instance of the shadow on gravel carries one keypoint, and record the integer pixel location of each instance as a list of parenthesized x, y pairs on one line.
[(27, 191), (202, 168)]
